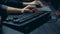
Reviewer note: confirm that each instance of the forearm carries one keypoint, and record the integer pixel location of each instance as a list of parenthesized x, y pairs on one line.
[(11, 9), (28, 3)]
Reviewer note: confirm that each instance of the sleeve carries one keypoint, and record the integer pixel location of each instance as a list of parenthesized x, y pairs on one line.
[(3, 9), (3, 12), (0, 9)]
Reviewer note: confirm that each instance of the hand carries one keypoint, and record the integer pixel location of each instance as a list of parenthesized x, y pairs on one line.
[(26, 10), (30, 7), (36, 2)]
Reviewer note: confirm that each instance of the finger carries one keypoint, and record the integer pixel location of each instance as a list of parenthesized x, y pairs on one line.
[(27, 10)]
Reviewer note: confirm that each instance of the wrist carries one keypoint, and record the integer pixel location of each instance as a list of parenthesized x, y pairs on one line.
[(22, 10)]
